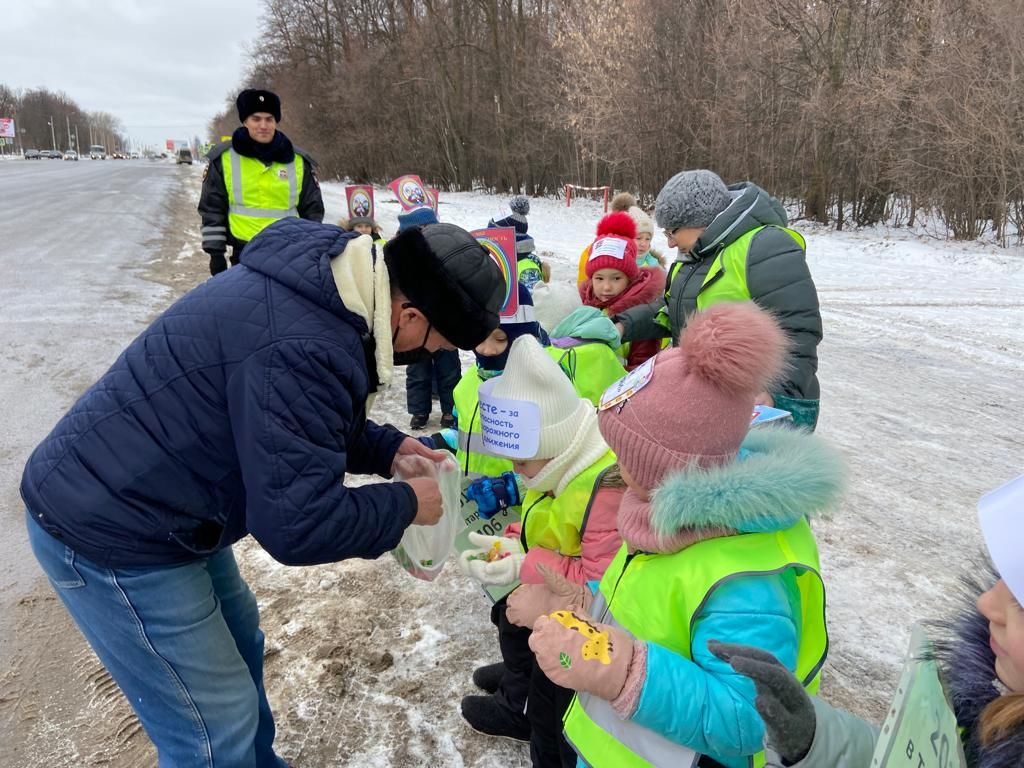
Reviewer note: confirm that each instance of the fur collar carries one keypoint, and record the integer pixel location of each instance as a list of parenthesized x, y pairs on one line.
[(648, 286), (361, 278), (781, 476), (962, 650)]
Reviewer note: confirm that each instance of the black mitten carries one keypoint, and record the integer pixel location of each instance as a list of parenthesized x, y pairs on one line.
[(217, 262), (781, 701)]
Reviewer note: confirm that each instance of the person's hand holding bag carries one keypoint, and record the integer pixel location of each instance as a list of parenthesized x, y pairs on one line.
[(495, 563), (420, 474)]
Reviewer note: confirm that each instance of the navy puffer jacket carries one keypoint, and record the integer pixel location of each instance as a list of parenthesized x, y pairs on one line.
[(239, 410)]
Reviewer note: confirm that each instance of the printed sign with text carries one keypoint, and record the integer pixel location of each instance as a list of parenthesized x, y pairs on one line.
[(509, 428)]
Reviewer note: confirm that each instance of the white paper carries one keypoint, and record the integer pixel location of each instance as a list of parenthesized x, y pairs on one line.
[(509, 428), (609, 246), (627, 386), (1001, 514)]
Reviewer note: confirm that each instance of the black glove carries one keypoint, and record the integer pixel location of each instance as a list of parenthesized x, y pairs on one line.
[(781, 701), (217, 262), (441, 442)]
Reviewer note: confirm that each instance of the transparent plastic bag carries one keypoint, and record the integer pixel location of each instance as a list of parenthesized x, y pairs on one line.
[(424, 549)]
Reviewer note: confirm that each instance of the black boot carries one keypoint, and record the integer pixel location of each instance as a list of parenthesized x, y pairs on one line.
[(485, 715), (488, 678), (418, 421)]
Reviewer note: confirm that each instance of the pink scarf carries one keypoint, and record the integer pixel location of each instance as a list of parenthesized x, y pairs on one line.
[(634, 524)]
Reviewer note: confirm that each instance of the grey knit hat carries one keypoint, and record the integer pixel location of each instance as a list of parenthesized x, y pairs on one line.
[(520, 204), (691, 199)]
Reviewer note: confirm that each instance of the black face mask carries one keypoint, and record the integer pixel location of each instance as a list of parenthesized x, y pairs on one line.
[(419, 355)]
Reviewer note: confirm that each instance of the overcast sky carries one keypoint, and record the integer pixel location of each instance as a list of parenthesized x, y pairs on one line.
[(162, 68)]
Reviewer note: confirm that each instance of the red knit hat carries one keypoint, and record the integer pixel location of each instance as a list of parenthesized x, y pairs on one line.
[(695, 411), (615, 246)]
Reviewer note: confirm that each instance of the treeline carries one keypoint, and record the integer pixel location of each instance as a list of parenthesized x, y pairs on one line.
[(34, 108), (860, 110)]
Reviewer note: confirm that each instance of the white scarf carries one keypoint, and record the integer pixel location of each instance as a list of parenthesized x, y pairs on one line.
[(586, 447), (365, 288)]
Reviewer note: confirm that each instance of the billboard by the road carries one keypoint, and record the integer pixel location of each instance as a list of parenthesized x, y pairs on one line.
[(7, 127)]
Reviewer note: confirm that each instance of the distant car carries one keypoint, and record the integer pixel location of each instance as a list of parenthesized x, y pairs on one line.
[(71, 155), (33, 154), (50, 154), (184, 157), (135, 155)]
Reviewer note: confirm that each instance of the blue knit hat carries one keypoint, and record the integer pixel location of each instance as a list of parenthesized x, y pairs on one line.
[(522, 323), (417, 217)]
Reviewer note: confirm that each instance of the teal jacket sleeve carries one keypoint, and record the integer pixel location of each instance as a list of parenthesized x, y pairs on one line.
[(703, 703)]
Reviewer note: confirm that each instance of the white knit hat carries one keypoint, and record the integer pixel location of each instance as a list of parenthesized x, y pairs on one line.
[(1001, 514), (642, 220), (531, 375)]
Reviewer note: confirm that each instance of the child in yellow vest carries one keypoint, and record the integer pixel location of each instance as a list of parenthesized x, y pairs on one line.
[(568, 528), (716, 546)]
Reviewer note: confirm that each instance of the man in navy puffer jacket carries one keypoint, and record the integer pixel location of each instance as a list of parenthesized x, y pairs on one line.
[(240, 410)]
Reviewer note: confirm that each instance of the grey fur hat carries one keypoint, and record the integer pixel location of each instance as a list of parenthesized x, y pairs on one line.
[(691, 199)]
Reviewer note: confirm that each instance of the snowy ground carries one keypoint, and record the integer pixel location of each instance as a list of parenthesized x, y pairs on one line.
[(920, 382)]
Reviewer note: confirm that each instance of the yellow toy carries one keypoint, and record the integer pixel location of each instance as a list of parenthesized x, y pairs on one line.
[(598, 643)]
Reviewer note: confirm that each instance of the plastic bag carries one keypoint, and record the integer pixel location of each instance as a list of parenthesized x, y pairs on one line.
[(424, 548)]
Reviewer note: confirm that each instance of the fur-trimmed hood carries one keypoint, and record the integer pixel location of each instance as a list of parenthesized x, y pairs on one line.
[(780, 476), (648, 286), (967, 665)]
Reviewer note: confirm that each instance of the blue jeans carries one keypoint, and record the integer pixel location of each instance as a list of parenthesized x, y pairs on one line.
[(183, 643), (443, 369)]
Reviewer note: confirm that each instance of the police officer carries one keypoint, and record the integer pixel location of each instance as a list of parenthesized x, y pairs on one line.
[(254, 180)]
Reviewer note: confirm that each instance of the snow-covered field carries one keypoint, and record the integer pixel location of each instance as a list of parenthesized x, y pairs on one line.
[(920, 379)]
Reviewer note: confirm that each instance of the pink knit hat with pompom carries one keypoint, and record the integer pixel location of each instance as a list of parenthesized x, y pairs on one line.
[(696, 409)]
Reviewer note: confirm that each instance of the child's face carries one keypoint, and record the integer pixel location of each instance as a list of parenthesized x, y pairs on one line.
[(363, 229), (643, 243), (494, 344), (1006, 629), (609, 283), (633, 485), (529, 467)]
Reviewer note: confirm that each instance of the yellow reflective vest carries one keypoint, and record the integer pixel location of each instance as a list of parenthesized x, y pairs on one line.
[(657, 597), (556, 522), (258, 194)]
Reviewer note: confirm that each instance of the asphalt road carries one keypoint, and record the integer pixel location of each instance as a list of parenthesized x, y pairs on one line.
[(73, 240)]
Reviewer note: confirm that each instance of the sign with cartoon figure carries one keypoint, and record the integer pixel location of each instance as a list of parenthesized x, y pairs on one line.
[(500, 243), (434, 197), (627, 386), (360, 200), (410, 192)]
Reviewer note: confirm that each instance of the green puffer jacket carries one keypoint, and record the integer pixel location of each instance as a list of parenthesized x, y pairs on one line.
[(777, 276)]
